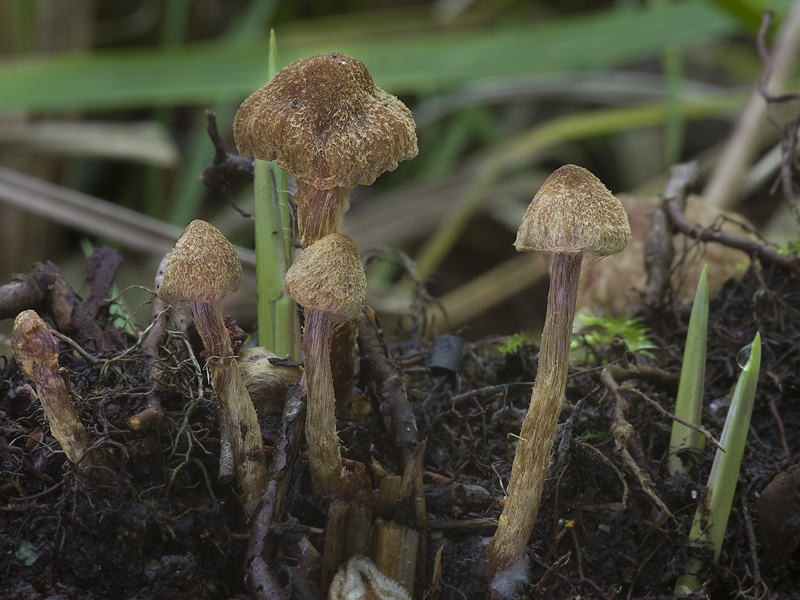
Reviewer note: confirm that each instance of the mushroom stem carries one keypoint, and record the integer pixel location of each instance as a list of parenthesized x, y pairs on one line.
[(234, 402), (319, 212), (532, 457), (324, 455), (36, 352)]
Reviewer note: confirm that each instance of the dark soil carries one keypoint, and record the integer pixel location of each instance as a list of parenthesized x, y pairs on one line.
[(159, 525)]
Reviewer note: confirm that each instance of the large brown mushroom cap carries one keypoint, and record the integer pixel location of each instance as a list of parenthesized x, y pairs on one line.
[(328, 276), (574, 213), (323, 119), (203, 266)]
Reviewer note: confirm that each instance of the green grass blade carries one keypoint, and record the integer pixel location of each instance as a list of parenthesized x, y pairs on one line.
[(569, 128), (689, 404), (725, 470), (711, 517), (269, 282), (278, 328), (409, 59)]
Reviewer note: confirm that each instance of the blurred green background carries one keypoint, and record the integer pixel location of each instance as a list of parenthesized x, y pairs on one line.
[(108, 99)]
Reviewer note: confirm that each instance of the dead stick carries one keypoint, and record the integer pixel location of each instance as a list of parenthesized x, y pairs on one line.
[(751, 247), (386, 383)]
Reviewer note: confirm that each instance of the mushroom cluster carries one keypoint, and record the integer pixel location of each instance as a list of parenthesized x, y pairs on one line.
[(324, 120), (572, 215)]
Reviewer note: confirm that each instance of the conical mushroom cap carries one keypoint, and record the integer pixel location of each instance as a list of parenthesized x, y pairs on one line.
[(203, 266), (328, 276), (574, 213), (324, 120)]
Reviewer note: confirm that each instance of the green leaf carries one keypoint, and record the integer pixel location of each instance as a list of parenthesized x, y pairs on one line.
[(27, 553), (711, 518), (411, 58), (514, 342), (689, 404)]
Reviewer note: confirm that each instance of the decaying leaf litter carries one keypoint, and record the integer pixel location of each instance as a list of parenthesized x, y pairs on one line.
[(157, 523)]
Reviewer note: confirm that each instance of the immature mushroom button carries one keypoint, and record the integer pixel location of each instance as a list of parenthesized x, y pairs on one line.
[(571, 215), (327, 279), (202, 269), (324, 120)]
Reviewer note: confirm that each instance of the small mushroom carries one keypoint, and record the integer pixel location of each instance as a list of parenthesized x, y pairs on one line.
[(36, 352), (324, 120), (572, 215), (328, 281), (202, 269)]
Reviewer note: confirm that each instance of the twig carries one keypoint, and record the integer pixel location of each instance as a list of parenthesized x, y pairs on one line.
[(607, 461), (226, 168), (385, 382), (751, 247), (659, 250), (641, 567), (258, 575), (751, 542), (773, 409), (153, 339), (623, 432), (739, 150), (790, 129), (704, 432)]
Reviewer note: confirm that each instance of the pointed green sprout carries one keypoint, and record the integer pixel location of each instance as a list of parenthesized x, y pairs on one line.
[(689, 405), (711, 517), (278, 326)]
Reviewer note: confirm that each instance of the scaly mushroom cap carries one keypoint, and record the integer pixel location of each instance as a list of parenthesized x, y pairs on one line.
[(328, 276), (324, 120), (203, 266), (574, 213)]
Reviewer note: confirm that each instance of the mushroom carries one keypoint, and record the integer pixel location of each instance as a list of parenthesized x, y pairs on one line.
[(328, 281), (572, 214), (324, 120), (36, 352), (202, 269)]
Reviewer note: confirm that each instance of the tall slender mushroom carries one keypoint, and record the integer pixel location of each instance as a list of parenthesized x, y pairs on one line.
[(572, 215), (324, 120), (36, 352), (327, 280), (202, 269)]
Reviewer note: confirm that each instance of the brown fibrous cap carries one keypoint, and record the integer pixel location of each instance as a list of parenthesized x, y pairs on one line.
[(203, 266), (323, 119), (574, 213), (328, 276)]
